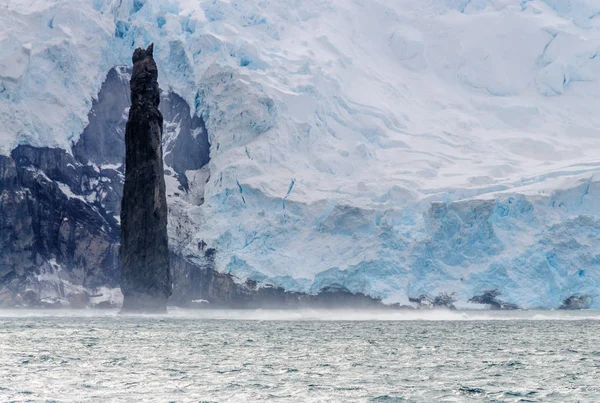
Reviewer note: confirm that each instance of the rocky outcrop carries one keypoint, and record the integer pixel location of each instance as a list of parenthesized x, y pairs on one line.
[(144, 251), (576, 302), (200, 285), (491, 299), (59, 213), (185, 141), (103, 140), (442, 300), (56, 236), (337, 296)]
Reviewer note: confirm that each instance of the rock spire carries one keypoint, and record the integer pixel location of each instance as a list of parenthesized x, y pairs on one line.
[(144, 252)]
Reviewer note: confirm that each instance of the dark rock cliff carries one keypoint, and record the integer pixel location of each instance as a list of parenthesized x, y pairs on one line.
[(199, 285), (53, 242), (144, 248), (490, 297), (103, 140), (576, 302)]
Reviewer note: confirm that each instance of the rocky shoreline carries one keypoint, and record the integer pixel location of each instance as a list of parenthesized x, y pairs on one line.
[(223, 291)]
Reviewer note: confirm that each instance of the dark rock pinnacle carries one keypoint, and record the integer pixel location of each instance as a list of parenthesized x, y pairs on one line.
[(144, 252)]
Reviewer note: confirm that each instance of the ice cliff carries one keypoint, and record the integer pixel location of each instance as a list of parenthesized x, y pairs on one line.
[(395, 148)]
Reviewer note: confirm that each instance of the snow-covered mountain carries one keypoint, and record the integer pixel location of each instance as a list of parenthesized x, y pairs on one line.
[(392, 147)]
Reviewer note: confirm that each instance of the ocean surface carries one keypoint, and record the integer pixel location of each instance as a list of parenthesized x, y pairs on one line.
[(300, 356)]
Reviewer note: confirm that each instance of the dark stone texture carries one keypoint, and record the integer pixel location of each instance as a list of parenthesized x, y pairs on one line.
[(103, 140), (195, 283), (76, 234), (576, 302), (337, 297), (443, 300), (144, 251), (490, 297), (422, 301), (16, 232), (190, 149), (39, 223)]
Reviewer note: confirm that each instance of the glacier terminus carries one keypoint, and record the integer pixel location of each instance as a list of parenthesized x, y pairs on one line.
[(411, 151)]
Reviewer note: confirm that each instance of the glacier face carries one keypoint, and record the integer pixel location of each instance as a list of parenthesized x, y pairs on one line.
[(393, 147)]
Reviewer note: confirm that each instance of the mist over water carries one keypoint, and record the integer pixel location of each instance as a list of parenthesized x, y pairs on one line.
[(315, 314), (305, 355)]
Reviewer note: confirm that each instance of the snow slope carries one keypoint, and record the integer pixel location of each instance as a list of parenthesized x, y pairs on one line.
[(396, 147)]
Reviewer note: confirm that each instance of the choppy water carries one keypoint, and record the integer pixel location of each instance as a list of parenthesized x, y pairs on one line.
[(236, 356)]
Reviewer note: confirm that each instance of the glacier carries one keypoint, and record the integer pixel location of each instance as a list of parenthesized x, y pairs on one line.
[(395, 148)]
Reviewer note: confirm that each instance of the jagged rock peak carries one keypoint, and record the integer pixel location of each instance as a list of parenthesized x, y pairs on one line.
[(144, 79), (141, 53)]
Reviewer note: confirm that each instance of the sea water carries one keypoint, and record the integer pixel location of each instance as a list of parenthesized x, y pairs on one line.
[(296, 356)]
